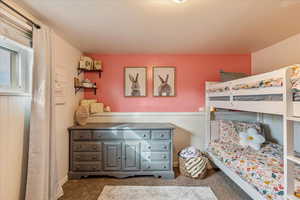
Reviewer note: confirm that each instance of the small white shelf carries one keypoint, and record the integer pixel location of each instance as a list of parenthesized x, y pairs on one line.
[(294, 159), (291, 118)]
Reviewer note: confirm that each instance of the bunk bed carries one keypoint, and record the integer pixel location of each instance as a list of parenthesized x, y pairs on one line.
[(269, 172)]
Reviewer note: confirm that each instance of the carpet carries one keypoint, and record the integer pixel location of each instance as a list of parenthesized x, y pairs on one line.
[(156, 193)]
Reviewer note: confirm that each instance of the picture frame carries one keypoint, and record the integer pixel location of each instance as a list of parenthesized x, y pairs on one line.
[(164, 81), (135, 81)]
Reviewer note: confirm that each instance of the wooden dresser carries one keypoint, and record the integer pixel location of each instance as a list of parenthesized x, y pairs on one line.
[(121, 150)]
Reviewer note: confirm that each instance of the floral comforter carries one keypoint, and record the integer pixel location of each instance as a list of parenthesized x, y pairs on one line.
[(263, 169)]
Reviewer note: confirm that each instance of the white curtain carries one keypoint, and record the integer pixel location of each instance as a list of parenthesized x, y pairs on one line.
[(42, 179)]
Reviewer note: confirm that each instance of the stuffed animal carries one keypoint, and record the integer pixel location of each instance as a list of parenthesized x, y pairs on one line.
[(251, 138)]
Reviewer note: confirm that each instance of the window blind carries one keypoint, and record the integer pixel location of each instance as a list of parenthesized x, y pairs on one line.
[(15, 27)]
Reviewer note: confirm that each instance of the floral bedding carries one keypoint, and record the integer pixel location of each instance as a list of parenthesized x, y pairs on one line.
[(271, 82), (219, 89), (295, 78), (263, 168)]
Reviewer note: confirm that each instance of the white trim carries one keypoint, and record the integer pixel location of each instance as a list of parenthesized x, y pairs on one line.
[(106, 114), (15, 94)]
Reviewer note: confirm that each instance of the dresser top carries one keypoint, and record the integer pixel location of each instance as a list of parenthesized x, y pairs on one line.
[(123, 126)]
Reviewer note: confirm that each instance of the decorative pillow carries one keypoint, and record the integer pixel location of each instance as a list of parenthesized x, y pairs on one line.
[(251, 138), (229, 130)]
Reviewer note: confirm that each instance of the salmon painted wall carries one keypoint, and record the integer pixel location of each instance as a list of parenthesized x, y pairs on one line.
[(191, 73)]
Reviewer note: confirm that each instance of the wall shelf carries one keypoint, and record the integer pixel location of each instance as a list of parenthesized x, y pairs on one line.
[(79, 71), (77, 88)]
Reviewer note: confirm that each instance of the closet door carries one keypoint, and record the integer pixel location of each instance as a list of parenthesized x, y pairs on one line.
[(131, 156), (112, 155)]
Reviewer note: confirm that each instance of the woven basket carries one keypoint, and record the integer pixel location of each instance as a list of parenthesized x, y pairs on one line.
[(184, 171)]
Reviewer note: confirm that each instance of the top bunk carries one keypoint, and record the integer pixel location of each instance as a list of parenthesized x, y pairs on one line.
[(276, 92)]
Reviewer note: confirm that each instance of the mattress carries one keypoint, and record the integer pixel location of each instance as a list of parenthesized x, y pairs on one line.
[(262, 169)]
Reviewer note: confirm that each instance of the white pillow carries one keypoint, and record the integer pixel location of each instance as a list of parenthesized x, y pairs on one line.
[(251, 138)]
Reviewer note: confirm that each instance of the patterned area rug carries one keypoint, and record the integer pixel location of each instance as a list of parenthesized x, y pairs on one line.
[(156, 193)]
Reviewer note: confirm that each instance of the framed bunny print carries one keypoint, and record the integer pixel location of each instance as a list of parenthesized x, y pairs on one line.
[(164, 81), (135, 84)]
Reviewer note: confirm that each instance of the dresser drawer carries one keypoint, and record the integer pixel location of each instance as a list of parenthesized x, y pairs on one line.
[(156, 156), (158, 166), (136, 134), (86, 166), (160, 134), (155, 146), (121, 135), (86, 146), (107, 135), (81, 135), (87, 156)]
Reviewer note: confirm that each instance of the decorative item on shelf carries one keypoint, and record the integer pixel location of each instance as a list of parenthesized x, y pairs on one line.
[(97, 65), (81, 115), (85, 84), (86, 63), (87, 103), (96, 108), (107, 109), (88, 84)]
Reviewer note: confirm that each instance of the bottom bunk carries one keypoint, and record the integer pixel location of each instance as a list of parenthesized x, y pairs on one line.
[(259, 173)]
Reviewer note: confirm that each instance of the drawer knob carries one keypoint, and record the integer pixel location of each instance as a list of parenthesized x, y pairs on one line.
[(145, 135), (165, 147), (149, 157), (162, 135), (165, 157), (149, 147), (149, 167), (165, 167), (95, 147), (94, 157)]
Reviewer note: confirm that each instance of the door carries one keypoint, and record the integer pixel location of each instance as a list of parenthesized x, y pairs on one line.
[(112, 155), (131, 156)]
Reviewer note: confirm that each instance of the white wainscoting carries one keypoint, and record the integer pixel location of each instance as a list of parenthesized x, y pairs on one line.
[(14, 125), (189, 130)]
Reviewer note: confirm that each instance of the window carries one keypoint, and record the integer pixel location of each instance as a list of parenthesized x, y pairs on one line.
[(15, 67), (9, 69)]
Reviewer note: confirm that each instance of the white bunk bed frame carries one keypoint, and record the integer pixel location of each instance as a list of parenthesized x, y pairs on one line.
[(286, 107)]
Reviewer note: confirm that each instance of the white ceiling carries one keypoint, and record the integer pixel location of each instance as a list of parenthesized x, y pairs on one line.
[(162, 26)]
